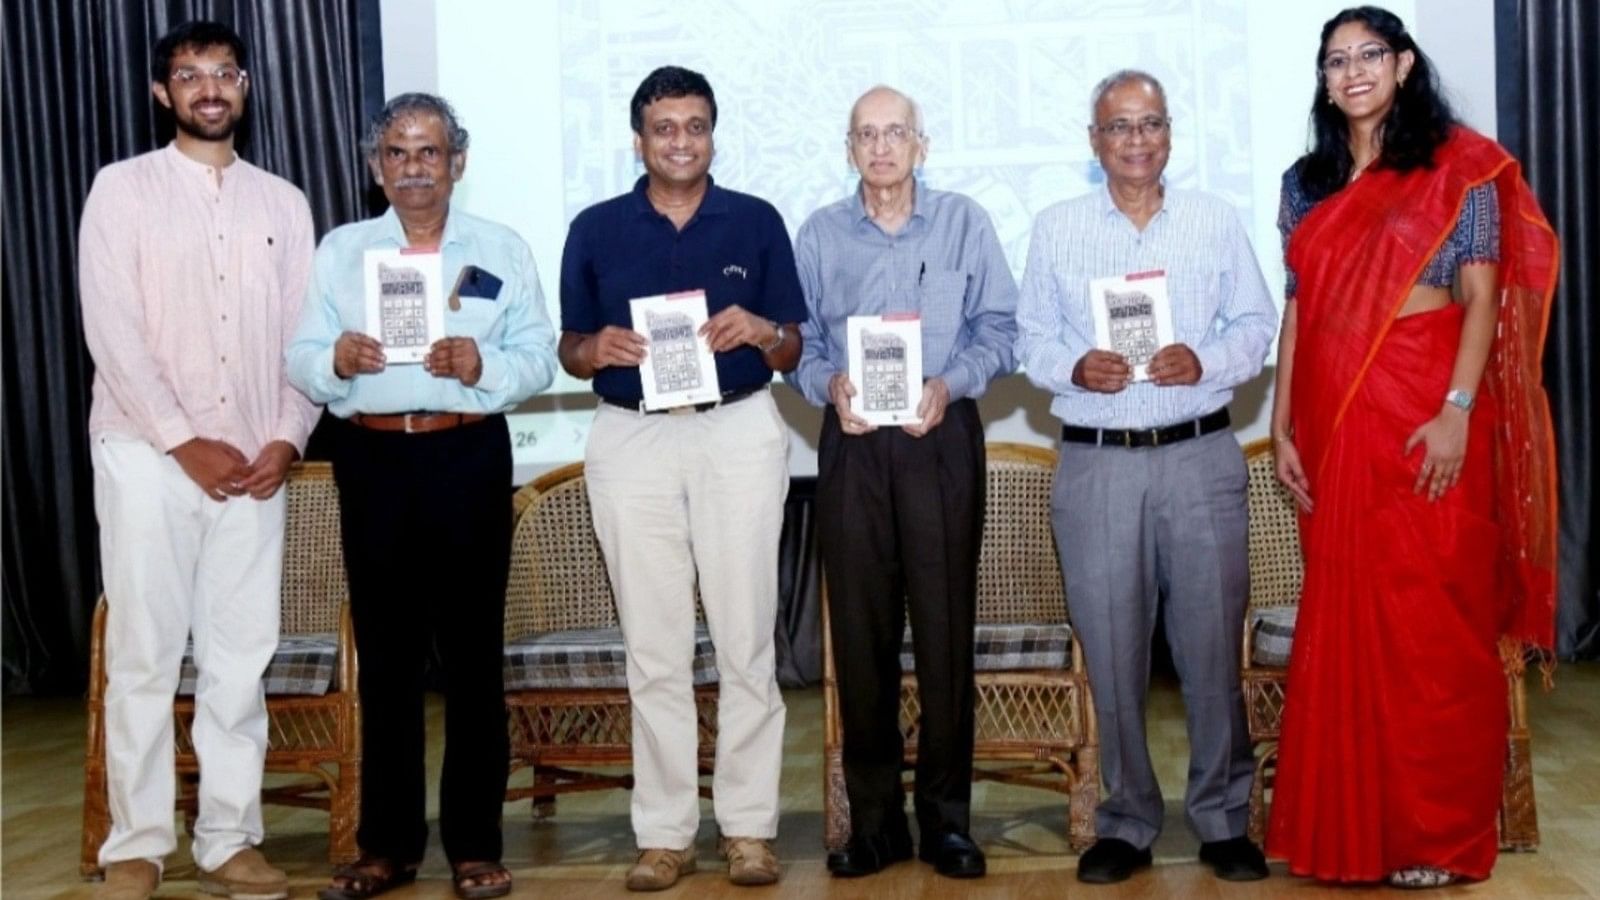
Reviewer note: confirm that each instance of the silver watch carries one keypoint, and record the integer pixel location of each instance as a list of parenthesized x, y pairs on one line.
[(1460, 399)]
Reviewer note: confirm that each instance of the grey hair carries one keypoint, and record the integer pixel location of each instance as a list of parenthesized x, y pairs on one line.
[(406, 105), (1119, 78), (916, 110)]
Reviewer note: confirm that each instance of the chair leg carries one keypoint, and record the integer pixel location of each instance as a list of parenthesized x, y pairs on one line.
[(344, 814), (1257, 828), (1085, 799), (544, 807), (96, 806), (835, 802)]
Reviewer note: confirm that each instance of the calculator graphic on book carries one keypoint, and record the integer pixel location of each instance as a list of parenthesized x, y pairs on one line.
[(402, 306), (673, 350), (884, 372)]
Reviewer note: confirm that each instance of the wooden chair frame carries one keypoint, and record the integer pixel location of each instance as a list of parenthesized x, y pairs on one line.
[(1276, 573), (1038, 724), (315, 737), (567, 737)]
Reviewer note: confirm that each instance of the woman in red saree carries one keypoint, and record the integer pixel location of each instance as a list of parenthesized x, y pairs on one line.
[(1410, 424)]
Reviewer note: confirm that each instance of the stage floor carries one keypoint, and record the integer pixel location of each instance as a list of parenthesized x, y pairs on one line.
[(587, 847)]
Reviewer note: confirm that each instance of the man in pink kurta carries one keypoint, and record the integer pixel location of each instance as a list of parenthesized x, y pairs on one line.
[(192, 268)]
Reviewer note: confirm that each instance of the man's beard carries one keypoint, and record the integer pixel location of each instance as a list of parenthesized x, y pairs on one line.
[(192, 126)]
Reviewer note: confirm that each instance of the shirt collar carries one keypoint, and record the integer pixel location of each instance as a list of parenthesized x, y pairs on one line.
[(392, 230), (1108, 206), (858, 206), (714, 203), (187, 164)]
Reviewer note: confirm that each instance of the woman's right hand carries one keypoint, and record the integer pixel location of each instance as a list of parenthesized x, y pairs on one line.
[(1291, 472)]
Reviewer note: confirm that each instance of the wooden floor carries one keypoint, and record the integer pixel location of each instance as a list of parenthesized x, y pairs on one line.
[(585, 849)]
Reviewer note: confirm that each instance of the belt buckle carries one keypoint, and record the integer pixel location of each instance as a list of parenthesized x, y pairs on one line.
[(688, 409), (1155, 437), (405, 419), (1127, 439)]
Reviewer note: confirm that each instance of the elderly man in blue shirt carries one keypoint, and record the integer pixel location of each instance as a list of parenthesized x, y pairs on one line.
[(422, 458), (1149, 494), (693, 494), (900, 509)]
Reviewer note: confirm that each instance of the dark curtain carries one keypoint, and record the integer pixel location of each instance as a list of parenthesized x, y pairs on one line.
[(799, 631), (1548, 72), (77, 96)]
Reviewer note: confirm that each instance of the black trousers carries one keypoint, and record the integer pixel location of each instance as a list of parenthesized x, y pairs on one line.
[(426, 522), (899, 521)]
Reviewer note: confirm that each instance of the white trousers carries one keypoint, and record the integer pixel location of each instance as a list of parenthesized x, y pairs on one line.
[(676, 496), (177, 562)]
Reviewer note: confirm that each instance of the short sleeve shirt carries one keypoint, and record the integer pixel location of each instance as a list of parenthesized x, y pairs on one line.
[(735, 248)]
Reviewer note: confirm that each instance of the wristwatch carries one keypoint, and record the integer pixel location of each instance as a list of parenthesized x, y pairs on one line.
[(1460, 399), (777, 343)]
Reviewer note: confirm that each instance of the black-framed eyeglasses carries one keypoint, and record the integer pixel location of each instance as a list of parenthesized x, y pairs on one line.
[(1366, 59), (1122, 129), (225, 75)]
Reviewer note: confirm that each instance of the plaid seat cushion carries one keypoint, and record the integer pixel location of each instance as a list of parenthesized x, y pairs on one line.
[(587, 658), (303, 665), (1274, 627), (1011, 646)]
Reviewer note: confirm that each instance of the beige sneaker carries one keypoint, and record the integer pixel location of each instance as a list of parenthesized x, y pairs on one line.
[(130, 879), (750, 861), (246, 876), (659, 869)]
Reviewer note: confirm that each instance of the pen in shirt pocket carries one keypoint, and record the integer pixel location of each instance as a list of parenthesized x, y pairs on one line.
[(921, 272)]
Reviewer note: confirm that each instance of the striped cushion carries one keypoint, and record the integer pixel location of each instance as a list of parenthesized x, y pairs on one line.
[(587, 658), (1011, 646), (1274, 627), (303, 665)]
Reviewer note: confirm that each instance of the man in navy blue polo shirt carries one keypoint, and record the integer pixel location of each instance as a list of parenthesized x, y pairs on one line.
[(695, 492)]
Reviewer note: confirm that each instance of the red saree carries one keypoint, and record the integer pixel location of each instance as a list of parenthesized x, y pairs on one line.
[(1395, 723)]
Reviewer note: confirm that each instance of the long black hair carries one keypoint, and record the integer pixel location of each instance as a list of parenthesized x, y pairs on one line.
[(1417, 123)]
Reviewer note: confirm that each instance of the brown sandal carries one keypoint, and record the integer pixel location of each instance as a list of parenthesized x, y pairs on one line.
[(474, 871), (368, 877)]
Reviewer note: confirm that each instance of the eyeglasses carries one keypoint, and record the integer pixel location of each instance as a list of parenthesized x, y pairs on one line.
[(226, 76), (1366, 59), (867, 135), (1122, 129), (667, 129)]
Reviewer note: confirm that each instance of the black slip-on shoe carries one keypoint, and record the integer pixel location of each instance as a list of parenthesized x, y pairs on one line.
[(954, 855), (1235, 859), (1111, 860), (868, 856)]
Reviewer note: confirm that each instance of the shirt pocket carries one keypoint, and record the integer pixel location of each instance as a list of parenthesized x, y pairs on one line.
[(942, 298), (478, 318)]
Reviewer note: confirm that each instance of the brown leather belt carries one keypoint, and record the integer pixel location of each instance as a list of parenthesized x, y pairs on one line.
[(417, 422)]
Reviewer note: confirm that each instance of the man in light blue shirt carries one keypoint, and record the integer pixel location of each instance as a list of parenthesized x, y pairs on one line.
[(422, 459), (1149, 494), (900, 509)]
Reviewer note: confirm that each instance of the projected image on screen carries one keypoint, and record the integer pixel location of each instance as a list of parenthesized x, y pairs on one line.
[(1004, 90)]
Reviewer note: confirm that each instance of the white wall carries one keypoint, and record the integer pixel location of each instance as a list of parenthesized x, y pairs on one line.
[(543, 87)]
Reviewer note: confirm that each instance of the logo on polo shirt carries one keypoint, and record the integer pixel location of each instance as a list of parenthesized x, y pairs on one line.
[(731, 270)]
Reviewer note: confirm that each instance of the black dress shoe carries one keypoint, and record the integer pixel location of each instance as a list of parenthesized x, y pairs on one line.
[(953, 855), (868, 855), (1111, 860), (1235, 859)]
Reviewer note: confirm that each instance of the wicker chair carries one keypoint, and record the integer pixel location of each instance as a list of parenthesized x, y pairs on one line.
[(1038, 724), (1275, 578), (318, 737), (558, 583)]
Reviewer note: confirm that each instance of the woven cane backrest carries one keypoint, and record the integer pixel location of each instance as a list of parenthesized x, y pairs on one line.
[(1019, 574), (1275, 566), (313, 558), (558, 578)]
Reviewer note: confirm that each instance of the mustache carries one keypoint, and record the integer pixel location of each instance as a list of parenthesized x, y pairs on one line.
[(418, 181)]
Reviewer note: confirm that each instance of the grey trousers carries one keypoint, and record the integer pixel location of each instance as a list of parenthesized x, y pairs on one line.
[(1129, 523)]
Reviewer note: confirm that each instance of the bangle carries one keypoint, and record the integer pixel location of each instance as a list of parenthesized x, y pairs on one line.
[(1283, 438), (777, 343)]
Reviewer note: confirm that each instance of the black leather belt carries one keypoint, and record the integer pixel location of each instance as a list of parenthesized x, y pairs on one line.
[(729, 397), (1147, 437)]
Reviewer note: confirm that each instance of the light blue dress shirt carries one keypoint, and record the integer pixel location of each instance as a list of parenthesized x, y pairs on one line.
[(513, 331), (1220, 305), (945, 264)]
